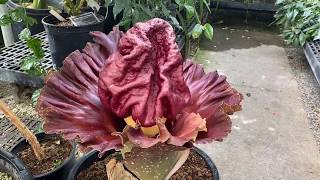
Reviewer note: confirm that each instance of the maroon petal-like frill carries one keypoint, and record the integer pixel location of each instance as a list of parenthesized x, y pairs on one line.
[(69, 101), (213, 99), (137, 137), (186, 128), (145, 77)]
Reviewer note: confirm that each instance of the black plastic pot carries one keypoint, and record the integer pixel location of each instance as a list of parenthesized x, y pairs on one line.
[(13, 166), (60, 172), (87, 160), (65, 39), (37, 14)]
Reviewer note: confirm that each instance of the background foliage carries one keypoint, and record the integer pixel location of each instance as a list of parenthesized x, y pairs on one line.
[(187, 16), (299, 20)]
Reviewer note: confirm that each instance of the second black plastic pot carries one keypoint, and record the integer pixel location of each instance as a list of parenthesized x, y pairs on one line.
[(87, 160), (65, 39), (60, 172), (37, 14), (12, 165)]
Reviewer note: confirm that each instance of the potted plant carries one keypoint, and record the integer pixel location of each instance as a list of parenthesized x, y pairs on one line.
[(64, 37), (49, 158), (11, 167), (36, 9), (133, 93)]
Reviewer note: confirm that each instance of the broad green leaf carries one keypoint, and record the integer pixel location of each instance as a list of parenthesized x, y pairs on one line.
[(25, 34), (35, 45), (190, 11), (31, 66), (157, 162), (28, 62), (208, 31), (197, 31), (175, 22), (119, 6)]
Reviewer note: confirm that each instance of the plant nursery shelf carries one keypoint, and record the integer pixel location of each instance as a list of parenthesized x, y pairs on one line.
[(11, 57), (312, 52)]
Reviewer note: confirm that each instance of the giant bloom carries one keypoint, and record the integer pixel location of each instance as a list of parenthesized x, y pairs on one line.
[(135, 86)]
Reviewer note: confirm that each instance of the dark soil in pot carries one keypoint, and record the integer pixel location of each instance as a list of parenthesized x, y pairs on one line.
[(11, 168), (60, 157), (198, 166), (37, 14)]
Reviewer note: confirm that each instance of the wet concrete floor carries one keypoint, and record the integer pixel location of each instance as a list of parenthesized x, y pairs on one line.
[(270, 138)]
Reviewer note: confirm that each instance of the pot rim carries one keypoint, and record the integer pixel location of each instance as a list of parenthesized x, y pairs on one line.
[(74, 171), (14, 4), (42, 135), (51, 25), (16, 163)]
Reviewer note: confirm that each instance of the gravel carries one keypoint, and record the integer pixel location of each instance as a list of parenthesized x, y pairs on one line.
[(20, 104), (308, 87)]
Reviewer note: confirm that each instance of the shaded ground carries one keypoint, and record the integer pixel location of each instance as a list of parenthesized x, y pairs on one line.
[(271, 138)]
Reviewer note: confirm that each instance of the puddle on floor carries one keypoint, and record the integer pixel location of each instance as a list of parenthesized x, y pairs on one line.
[(241, 37)]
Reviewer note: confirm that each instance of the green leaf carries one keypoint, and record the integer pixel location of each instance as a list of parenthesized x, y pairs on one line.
[(5, 20), (190, 11), (207, 5), (159, 162), (178, 2), (28, 62), (302, 39), (29, 21), (175, 22), (197, 31), (35, 45), (25, 34), (119, 6), (31, 65), (125, 23), (35, 96), (208, 31), (317, 36), (39, 127), (56, 163), (3, 1), (18, 15)]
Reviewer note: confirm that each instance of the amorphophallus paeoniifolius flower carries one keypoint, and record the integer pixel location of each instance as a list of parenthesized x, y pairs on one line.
[(135, 87)]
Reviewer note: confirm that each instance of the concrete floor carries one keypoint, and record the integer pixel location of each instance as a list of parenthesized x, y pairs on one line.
[(270, 138)]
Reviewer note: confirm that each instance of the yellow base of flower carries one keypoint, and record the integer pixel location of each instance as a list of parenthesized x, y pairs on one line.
[(148, 131)]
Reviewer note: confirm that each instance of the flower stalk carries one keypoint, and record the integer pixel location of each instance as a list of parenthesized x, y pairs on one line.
[(23, 129)]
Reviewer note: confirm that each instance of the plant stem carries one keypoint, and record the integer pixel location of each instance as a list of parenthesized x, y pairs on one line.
[(201, 10), (23, 129), (186, 37)]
